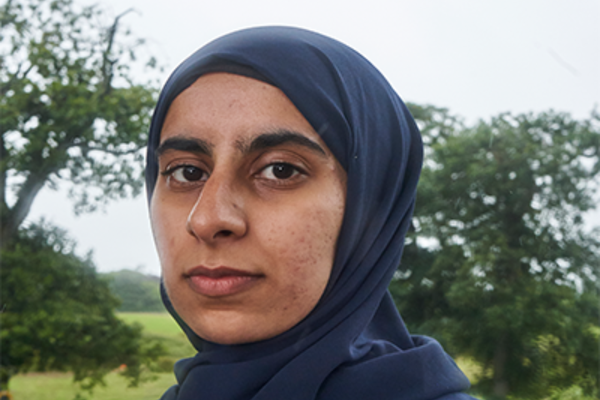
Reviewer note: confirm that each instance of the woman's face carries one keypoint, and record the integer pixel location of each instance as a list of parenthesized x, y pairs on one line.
[(246, 211)]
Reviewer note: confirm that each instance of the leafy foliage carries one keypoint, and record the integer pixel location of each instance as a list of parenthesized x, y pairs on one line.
[(59, 315), (70, 109), (500, 266), (136, 291)]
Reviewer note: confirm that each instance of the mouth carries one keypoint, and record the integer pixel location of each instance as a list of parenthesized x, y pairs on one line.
[(221, 281)]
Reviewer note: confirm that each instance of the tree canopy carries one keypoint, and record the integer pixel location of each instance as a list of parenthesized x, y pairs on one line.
[(500, 265), (74, 109), (58, 314), (70, 108)]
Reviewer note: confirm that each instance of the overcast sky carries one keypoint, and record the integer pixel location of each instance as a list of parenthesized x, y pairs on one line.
[(477, 58)]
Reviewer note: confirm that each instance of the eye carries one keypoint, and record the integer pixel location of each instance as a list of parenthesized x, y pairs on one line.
[(279, 171), (185, 174)]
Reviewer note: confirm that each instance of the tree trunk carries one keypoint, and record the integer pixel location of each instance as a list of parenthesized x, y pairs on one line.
[(17, 214), (3, 205), (499, 362)]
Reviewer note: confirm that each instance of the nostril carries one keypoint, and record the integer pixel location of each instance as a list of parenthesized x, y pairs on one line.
[(224, 233)]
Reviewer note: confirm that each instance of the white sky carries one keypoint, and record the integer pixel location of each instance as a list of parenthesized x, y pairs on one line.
[(477, 58)]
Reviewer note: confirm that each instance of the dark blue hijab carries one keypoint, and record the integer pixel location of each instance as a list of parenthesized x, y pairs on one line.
[(353, 345)]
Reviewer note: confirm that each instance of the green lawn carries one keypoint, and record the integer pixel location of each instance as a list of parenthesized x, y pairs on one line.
[(161, 324), (55, 386), (163, 327)]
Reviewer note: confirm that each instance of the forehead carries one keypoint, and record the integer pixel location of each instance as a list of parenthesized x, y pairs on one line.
[(225, 107)]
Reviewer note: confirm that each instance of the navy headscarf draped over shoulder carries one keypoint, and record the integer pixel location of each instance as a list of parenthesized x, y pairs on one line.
[(353, 345)]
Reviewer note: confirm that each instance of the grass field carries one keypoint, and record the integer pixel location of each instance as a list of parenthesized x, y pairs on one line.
[(161, 324), (58, 386), (163, 327), (55, 386)]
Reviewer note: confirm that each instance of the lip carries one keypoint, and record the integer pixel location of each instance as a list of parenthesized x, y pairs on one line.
[(220, 281)]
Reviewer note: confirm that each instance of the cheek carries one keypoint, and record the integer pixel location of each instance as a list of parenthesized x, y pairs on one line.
[(306, 251), (164, 229)]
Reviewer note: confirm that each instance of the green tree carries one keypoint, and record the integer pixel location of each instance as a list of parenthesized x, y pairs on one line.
[(58, 314), (499, 265), (136, 291), (70, 109)]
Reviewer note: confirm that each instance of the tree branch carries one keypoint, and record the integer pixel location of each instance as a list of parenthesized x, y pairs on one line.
[(107, 63)]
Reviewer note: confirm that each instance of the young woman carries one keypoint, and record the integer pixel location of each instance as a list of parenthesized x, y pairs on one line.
[(282, 172)]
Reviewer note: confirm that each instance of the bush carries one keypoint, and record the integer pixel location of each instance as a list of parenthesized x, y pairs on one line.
[(59, 314)]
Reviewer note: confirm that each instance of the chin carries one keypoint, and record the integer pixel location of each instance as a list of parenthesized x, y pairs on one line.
[(224, 336), (231, 328)]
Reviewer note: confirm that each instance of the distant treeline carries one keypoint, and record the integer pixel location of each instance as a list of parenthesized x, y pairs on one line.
[(137, 292)]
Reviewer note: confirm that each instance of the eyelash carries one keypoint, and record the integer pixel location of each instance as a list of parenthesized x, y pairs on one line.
[(294, 173), (170, 172)]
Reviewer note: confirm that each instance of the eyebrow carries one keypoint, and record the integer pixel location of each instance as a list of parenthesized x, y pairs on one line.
[(187, 144), (260, 142), (277, 138)]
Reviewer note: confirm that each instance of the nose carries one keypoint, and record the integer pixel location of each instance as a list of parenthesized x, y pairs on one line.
[(218, 213)]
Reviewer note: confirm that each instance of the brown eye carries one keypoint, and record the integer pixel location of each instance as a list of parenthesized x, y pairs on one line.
[(280, 171), (191, 173), (187, 174)]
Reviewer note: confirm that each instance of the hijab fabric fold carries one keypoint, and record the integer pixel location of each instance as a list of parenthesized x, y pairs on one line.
[(354, 344)]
